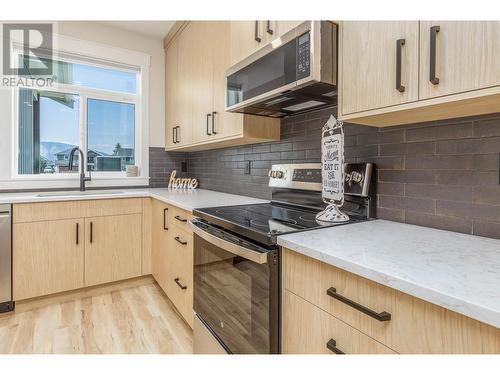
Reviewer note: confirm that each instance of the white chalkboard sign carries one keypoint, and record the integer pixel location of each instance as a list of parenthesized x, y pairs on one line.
[(332, 151)]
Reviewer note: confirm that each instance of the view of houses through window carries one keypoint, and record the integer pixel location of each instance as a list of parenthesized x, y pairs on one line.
[(50, 125)]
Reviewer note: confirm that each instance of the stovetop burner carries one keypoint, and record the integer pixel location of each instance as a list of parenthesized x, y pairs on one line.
[(263, 222)]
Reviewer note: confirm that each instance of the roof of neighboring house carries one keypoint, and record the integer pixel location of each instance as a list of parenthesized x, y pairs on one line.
[(68, 150), (124, 151)]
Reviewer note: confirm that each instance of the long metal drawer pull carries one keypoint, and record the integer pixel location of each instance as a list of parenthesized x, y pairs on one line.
[(178, 239), (208, 124), (77, 233), (399, 51), (254, 256), (433, 51), (91, 231), (165, 227), (183, 287), (332, 345), (382, 317), (180, 218)]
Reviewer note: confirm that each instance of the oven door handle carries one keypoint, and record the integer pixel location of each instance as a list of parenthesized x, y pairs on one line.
[(252, 255)]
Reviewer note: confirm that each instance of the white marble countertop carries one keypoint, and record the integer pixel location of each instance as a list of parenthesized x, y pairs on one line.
[(456, 271), (185, 199)]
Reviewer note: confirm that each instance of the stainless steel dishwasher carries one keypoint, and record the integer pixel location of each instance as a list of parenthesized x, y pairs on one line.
[(6, 303)]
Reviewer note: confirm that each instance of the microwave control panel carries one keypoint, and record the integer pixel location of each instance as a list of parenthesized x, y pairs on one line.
[(303, 55)]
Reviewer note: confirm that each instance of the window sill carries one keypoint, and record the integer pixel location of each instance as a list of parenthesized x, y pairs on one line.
[(64, 182)]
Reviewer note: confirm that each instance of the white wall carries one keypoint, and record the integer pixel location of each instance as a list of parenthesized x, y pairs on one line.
[(97, 32)]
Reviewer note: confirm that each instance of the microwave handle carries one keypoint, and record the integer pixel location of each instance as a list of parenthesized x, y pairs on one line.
[(252, 255)]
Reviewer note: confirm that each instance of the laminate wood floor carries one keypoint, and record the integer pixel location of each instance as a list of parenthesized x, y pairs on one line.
[(130, 317)]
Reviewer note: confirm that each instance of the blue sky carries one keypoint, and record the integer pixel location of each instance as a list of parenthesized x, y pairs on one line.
[(108, 122)]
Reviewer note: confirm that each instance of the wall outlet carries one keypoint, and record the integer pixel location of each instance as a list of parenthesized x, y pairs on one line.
[(248, 166), (184, 166)]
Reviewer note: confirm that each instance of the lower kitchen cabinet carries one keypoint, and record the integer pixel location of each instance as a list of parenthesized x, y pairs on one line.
[(310, 330), (414, 326), (172, 256), (113, 248), (48, 257)]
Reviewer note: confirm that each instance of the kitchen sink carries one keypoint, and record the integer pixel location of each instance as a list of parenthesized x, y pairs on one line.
[(79, 193)]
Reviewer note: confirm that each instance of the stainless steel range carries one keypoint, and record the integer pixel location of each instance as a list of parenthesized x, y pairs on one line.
[(237, 261)]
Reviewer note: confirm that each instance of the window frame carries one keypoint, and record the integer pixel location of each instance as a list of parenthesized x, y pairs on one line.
[(99, 55)]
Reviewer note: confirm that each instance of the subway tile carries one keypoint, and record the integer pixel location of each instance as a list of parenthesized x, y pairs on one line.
[(407, 203), (281, 147), (384, 162), (486, 229), (447, 162), (486, 162), (394, 136), (469, 146), (432, 133), (390, 188), (455, 224), (293, 154), (487, 128), (361, 151), (467, 178), (447, 192), (391, 214), (417, 177), (355, 129), (486, 195), (417, 148)]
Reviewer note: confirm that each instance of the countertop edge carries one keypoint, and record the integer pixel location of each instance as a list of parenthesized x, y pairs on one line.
[(446, 301)]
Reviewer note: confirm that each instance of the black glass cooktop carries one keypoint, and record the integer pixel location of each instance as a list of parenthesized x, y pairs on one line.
[(262, 222)]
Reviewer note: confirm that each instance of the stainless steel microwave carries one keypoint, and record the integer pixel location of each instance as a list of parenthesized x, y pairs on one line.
[(293, 74)]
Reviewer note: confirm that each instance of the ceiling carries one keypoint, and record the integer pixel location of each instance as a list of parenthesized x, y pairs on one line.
[(154, 29)]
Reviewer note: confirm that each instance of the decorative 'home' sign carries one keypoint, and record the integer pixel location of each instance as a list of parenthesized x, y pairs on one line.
[(181, 183)]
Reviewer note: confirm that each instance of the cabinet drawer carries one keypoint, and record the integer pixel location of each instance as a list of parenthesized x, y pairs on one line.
[(415, 326), (44, 211), (180, 276), (307, 330), (117, 206), (179, 218)]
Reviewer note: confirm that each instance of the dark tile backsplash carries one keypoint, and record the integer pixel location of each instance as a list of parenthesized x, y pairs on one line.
[(441, 174)]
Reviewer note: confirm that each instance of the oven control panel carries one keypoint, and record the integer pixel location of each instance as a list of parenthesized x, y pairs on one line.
[(306, 176)]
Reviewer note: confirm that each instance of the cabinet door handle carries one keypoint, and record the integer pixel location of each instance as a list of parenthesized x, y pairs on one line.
[(173, 134), (382, 317), (91, 231), (433, 51), (178, 239), (180, 218), (183, 287), (268, 28), (399, 47), (256, 36), (165, 227), (177, 128), (332, 345), (208, 124), (77, 233), (213, 123)]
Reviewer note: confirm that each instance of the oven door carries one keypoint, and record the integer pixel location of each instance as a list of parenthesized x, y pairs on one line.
[(236, 288)]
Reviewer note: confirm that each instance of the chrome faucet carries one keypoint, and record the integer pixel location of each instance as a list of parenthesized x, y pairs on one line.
[(83, 179)]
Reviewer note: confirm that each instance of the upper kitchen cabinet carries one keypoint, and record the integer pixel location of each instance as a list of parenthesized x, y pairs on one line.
[(395, 73), (197, 58), (458, 57), (248, 36), (379, 64)]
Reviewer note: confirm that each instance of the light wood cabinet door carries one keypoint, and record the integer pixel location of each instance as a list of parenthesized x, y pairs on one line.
[(186, 83), (112, 248), (180, 272), (48, 257), (225, 124), (245, 39), (467, 56), (160, 238), (369, 64), (171, 93), (308, 330), (276, 29)]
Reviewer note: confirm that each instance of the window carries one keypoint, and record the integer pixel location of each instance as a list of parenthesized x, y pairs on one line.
[(91, 107)]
